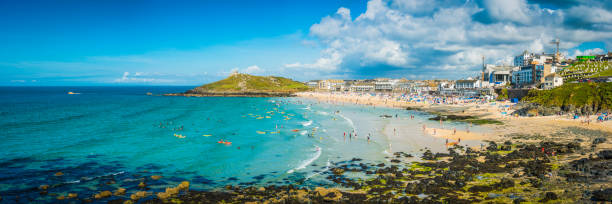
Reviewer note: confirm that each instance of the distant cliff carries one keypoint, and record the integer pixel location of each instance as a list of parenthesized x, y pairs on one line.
[(248, 85)]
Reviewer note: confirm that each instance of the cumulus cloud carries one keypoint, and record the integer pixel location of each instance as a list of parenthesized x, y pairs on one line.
[(594, 51), (445, 38)]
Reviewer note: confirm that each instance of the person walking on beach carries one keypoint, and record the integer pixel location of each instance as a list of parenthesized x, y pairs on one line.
[(454, 131)]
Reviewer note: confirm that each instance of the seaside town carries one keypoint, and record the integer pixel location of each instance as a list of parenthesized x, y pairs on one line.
[(542, 71), (306, 102)]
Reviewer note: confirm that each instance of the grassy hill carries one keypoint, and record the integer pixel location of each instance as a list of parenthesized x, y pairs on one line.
[(589, 97), (244, 84)]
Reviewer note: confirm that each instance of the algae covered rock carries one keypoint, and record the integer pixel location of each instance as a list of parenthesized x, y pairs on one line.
[(138, 195), (103, 194), (330, 195), (120, 191), (338, 171)]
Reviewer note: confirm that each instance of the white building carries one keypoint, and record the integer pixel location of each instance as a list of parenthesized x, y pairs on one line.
[(331, 84), (467, 84), (551, 81), (497, 75), (383, 86), (313, 84), (362, 87)]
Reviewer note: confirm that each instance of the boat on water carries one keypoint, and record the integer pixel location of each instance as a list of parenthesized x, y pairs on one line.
[(72, 93)]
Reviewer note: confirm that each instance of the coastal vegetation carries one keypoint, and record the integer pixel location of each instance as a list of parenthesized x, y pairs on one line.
[(248, 85), (503, 95), (587, 97)]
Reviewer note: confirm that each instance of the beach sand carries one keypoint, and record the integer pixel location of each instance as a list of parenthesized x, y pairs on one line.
[(546, 126)]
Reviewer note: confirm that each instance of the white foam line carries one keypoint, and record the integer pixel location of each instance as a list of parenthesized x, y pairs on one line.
[(307, 123), (348, 120), (305, 163)]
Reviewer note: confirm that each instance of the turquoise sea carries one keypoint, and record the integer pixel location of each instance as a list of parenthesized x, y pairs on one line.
[(110, 137)]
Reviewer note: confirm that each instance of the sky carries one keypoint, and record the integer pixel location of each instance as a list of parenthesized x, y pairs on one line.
[(112, 42)]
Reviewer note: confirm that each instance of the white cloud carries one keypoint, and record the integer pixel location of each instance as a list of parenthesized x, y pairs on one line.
[(510, 10), (393, 36), (253, 69), (594, 51)]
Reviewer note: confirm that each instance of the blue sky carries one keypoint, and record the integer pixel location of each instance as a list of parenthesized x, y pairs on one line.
[(195, 42)]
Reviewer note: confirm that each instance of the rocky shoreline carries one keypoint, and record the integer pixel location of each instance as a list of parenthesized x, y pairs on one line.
[(502, 172)]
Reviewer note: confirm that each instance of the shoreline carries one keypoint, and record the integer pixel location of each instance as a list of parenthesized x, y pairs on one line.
[(511, 124), (535, 159)]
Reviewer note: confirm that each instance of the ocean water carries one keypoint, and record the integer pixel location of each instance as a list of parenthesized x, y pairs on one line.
[(110, 137)]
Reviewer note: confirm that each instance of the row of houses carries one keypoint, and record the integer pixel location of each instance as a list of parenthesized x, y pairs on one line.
[(528, 71), (372, 85)]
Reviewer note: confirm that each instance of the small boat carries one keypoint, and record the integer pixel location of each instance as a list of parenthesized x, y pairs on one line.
[(72, 93)]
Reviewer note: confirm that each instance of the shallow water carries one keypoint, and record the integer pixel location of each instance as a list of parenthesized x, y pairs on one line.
[(110, 137)]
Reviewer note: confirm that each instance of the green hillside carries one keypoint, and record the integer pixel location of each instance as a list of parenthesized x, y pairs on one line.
[(592, 96), (244, 83)]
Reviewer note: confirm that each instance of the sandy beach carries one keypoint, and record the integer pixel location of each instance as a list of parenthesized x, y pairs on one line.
[(542, 125)]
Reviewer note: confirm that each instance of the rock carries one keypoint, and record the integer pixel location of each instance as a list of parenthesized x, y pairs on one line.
[(602, 195), (58, 174), (330, 195), (156, 177), (550, 196), (72, 195), (519, 200), (183, 186), (338, 171), (120, 191), (605, 154), (61, 197), (163, 195), (43, 187), (599, 140), (427, 155), (138, 195), (302, 196), (103, 194)]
